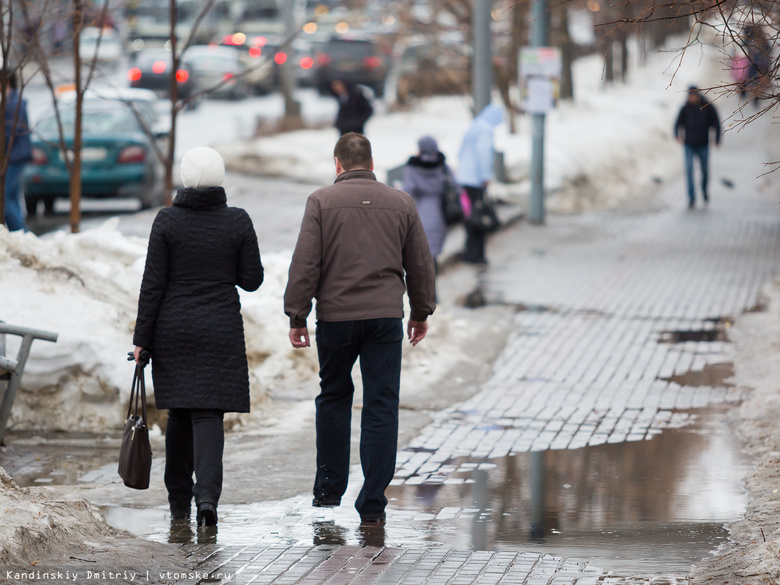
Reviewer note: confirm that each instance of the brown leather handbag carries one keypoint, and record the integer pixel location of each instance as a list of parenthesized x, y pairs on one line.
[(135, 454)]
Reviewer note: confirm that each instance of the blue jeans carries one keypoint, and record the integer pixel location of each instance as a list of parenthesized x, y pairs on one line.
[(194, 442), (378, 344), (14, 219), (703, 154)]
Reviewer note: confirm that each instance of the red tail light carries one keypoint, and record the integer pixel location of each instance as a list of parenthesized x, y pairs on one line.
[(255, 51), (372, 62), (323, 59), (307, 63), (227, 77), (132, 154), (39, 157), (280, 58), (182, 76), (159, 66), (134, 74)]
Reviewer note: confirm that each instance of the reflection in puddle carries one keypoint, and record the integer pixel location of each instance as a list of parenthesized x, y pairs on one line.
[(643, 506), (637, 507)]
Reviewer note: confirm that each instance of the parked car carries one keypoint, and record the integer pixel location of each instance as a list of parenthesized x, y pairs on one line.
[(143, 102), (257, 57), (152, 70), (117, 157), (109, 50), (351, 60), (212, 65)]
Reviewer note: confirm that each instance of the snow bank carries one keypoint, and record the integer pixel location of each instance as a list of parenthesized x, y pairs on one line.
[(85, 287), (36, 521)]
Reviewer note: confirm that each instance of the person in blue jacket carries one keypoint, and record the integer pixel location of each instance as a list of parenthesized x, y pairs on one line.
[(18, 148), (475, 171)]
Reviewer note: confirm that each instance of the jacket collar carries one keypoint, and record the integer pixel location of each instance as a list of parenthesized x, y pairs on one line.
[(356, 174), (205, 198)]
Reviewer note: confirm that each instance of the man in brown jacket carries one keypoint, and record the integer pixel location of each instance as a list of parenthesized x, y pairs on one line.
[(359, 241)]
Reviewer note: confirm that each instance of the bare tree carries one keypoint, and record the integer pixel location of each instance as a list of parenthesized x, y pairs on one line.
[(15, 54)]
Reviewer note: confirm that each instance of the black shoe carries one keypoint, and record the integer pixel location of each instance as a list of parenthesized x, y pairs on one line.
[(369, 521), (326, 502), (691, 204), (207, 514), (180, 514)]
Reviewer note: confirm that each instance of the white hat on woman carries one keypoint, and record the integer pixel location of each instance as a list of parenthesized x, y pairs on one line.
[(202, 167)]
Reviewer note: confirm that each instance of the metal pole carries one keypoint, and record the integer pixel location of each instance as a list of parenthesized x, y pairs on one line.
[(540, 17), (481, 65), (16, 367)]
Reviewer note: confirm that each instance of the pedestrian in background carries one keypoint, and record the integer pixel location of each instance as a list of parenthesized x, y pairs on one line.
[(189, 320), (361, 245), (18, 148), (354, 107), (425, 178), (475, 171), (695, 122)]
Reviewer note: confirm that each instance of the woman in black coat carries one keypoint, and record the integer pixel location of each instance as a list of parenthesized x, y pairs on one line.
[(189, 320)]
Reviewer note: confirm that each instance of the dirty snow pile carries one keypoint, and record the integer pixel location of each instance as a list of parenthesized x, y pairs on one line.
[(85, 288), (34, 522)]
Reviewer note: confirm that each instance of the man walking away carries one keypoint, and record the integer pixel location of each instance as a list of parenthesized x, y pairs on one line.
[(18, 148), (359, 241), (695, 120)]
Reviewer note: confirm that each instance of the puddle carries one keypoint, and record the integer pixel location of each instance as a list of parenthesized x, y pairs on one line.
[(684, 335), (714, 375), (637, 507)]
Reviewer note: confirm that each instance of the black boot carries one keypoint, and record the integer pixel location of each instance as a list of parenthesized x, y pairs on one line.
[(207, 514)]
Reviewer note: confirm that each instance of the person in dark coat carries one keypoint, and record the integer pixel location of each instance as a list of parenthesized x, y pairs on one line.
[(18, 148), (354, 107), (692, 129), (189, 320), (425, 176)]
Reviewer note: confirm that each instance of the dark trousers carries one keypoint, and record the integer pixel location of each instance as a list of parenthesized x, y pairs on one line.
[(194, 441), (475, 240), (378, 344)]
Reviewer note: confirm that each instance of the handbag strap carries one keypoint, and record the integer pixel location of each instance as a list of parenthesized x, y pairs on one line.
[(138, 392)]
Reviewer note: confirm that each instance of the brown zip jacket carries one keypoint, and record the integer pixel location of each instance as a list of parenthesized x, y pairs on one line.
[(361, 245)]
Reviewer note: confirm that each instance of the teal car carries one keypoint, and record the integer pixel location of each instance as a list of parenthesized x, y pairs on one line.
[(117, 157)]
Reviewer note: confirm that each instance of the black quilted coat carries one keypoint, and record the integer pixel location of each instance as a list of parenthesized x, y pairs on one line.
[(189, 311)]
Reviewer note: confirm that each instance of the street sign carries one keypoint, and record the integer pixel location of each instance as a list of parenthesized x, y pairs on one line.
[(540, 76)]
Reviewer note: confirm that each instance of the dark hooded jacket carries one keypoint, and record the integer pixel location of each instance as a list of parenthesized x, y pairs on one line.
[(695, 122), (188, 309), (354, 110)]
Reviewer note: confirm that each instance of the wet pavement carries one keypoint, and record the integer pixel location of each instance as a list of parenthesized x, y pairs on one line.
[(600, 450)]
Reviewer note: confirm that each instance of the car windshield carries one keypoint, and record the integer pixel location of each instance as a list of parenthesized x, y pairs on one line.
[(147, 59), (212, 62), (95, 122), (349, 50)]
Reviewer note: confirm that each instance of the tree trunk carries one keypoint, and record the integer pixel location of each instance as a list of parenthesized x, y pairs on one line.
[(609, 62), (75, 171), (623, 38), (174, 88), (567, 56)]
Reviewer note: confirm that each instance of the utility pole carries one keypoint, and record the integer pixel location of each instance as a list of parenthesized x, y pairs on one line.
[(540, 32), (481, 64)]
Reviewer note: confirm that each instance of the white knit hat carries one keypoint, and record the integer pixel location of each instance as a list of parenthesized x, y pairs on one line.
[(202, 167)]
